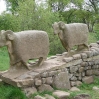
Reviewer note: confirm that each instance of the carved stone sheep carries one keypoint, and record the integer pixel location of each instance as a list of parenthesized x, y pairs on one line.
[(74, 34), (25, 45)]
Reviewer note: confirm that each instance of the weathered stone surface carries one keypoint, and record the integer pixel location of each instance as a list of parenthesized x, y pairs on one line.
[(52, 73), (88, 79), (83, 74), (49, 80), (79, 78), (96, 72), (64, 53), (77, 56), (89, 72), (89, 53), (84, 64), (95, 52), (95, 66), (81, 69), (95, 88), (91, 63), (94, 45), (74, 89), (62, 81), (23, 83), (43, 80), (83, 55), (82, 96), (29, 91), (77, 74), (70, 76), (96, 62), (73, 63), (73, 78), (39, 97), (78, 83), (45, 74), (73, 69), (45, 87), (58, 54), (91, 58), (59, 71), (49, 96), (73, 83), (61, 94), (68, 59), (38, 82)]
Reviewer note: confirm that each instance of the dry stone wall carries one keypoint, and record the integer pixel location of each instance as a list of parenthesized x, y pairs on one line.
[(77, 69), (58, 71)]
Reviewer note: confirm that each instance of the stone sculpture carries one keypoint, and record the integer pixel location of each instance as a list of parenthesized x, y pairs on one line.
[(74, 34), (25, 45)]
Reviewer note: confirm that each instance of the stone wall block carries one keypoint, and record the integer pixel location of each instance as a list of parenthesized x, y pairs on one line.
[(89, 72), (83, 55), (76, 56), (78, 83), (81, 69), (45, 87), (68, 59), (73, 83), (84, 64), (38, 82), (73, 78), (61, 81), (52, 73), (43, 80), (49, 80), (45, 74), (83, 74), (73, 69), (88, 79), (89, 53)]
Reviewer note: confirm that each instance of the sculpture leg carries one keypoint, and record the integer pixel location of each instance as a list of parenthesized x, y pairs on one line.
[(41, 60), (86, 45), (68, 54), (26, 65)]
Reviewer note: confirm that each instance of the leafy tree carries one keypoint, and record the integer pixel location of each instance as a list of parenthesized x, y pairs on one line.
[(8, 22)]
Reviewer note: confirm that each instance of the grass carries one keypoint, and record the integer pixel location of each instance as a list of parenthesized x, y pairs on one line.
[(4, 59), (92, 38), (10, 92)]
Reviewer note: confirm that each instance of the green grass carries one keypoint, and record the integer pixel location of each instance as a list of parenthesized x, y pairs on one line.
[(4, 59), (10, 92), (88, 89), (92, 38)]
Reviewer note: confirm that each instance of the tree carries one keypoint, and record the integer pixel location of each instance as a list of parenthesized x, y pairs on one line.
[(8, 22)]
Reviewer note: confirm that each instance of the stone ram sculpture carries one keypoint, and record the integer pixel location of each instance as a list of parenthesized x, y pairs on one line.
[(74, 34), (25, 45)]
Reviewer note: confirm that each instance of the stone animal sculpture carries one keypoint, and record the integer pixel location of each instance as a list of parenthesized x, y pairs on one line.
[(74, 34), (25, 45)]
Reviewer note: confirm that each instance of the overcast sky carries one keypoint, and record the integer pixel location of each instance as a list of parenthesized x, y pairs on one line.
[(2, 6)]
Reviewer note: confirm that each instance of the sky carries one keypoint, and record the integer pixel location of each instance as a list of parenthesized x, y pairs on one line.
[(2, 6)]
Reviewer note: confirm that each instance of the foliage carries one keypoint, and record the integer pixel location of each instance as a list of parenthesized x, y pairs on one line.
[(8, 22)]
